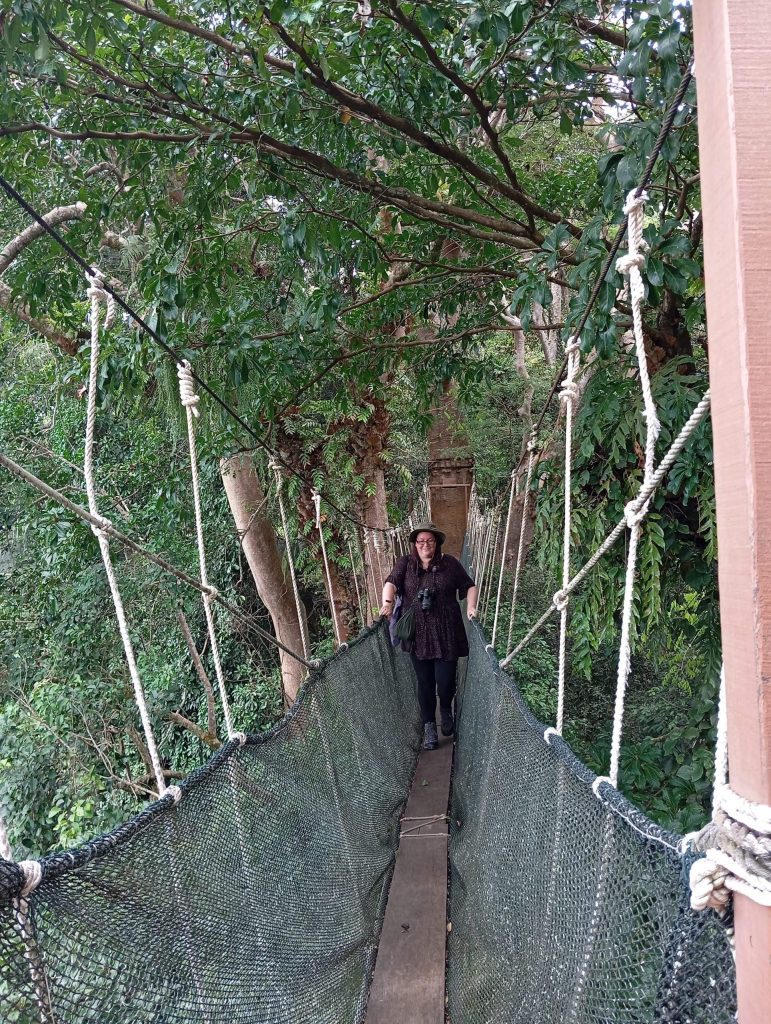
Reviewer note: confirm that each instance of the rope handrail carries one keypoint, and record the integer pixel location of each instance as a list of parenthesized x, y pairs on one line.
[(646, 491), (105, 525)]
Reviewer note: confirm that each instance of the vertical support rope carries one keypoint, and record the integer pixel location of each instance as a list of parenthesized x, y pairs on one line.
[(491, 567), (290, 559), (531, 448), (503, 556), (631, 265), (355, 573), (190, 400), (97, 294), (568, 396), (317, 503)]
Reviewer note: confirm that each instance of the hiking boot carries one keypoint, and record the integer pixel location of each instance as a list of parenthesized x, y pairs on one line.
[(430, 738), (448, 722)]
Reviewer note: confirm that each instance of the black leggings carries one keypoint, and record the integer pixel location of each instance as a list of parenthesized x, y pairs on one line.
[(434, 675)]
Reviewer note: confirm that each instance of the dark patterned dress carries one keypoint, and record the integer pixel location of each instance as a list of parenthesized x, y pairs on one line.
[(439, 633)]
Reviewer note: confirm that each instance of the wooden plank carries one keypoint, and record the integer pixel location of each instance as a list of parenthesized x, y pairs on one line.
[(733, 73), (408, 985)]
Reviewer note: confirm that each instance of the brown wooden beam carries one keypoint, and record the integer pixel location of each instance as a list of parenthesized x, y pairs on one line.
[(733, 74)]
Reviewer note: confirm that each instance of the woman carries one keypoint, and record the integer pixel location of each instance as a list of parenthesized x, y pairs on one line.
[(431, 583)]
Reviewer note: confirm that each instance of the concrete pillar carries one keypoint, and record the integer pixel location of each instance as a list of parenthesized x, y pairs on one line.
[(733, 74), (450, 471)]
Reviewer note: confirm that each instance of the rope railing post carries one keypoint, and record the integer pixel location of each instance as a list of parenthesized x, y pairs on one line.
[(98, 295), (190, 401), (330, 588), (289, 556)]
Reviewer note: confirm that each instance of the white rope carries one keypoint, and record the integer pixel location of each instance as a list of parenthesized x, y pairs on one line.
[(531, 448), (646, 491), (295, 589), (496, 522), (737, 841), (631, 264), (97, 294), (332, 605), (503, 556), (568, 397), (355, 572), (190, 400)]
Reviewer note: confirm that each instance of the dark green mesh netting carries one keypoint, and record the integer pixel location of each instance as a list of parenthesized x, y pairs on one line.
[(565, 907), (258, 898)]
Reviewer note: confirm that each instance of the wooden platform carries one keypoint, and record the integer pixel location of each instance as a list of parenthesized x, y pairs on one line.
[(408, 986)]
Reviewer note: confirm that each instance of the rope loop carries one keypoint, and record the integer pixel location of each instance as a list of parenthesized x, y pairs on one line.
[(187, 395), (598, 782), (708, 885), (548, 733), (573, 344), (97, 293), (568, 391), (560, 600), (103, 528), (239, 737), (33, 876)]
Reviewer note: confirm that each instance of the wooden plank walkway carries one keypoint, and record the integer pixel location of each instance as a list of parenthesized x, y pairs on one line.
[(408, 985)]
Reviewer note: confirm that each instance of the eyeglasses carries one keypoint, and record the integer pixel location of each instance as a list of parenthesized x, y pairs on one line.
[(425, 543)]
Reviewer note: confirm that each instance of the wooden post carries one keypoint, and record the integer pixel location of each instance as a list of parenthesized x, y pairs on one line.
[(733, 74)]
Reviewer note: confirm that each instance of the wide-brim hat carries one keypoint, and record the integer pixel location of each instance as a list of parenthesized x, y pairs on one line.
[(427, 528)]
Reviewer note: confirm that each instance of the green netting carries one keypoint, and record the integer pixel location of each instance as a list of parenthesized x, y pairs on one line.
[(565, 906), (258, 898)]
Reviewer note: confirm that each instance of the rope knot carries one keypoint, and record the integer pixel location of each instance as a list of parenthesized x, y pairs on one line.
[(573, 345), (187, 395), (560, 600), (568, 391), (624, 264), (239, 737), (211, 594), (634, 515), (635, 204), (102, 528), (33, 876), (708, 885)]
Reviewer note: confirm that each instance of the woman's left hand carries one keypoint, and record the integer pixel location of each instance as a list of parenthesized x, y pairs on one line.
[(472, 613)]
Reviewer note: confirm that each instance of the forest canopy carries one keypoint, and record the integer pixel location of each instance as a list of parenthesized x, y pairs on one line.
[(333, 210)]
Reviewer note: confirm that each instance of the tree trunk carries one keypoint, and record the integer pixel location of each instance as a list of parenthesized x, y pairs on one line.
[(258, 538)]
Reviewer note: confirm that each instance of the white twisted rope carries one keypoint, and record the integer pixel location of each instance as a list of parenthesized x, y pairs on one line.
[(332, 604), (503, 556), (644, 494), (97, 295), (635, 513), (295, 589), (737, 841), (496, 522), (531, 449), (568, 397), (356, 583), (190, 400)]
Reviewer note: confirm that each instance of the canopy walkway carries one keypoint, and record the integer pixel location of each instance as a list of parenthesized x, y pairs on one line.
[(259, 896)]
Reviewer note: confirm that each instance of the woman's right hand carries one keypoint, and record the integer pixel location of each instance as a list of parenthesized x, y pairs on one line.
[(387, 608)]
